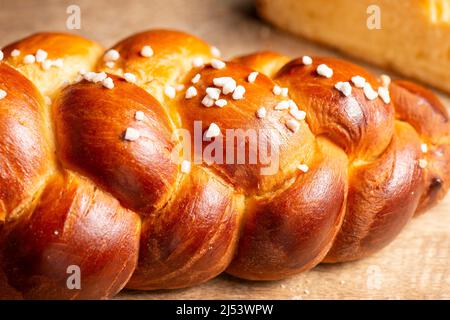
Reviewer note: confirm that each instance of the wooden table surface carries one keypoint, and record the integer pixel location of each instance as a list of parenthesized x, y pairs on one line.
[(415, 266)]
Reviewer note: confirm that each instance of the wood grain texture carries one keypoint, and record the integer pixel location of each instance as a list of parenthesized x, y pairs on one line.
[(415, 266)]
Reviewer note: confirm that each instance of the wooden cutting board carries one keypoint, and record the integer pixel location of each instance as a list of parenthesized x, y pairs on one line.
[(415, 266)]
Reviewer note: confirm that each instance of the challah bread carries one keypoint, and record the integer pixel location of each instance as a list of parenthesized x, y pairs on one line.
[(88, 176)]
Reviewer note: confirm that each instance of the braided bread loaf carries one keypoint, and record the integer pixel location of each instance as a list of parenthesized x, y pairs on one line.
[(88, 179)]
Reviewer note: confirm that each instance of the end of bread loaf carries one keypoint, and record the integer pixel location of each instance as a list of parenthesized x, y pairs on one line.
[(411, 37), (52, 60)]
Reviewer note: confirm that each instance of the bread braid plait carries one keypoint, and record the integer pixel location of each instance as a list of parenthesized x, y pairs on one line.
[(88, 179)]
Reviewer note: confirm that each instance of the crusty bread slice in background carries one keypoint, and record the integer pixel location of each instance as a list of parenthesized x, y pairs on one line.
[(414, 38)]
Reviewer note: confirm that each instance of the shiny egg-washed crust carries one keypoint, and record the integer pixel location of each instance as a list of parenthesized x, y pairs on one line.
[(74, 193)]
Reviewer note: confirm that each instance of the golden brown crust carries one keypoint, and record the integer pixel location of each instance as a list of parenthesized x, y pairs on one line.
[(77, 53), (90, 124), (361, 127), (26, 154), (266, 62), (72, 224), (293, 231), (173, 55), (292, 149), (174, 256), (347, 179), (414, 104), (365, 130), (423, 110), (374, 217)]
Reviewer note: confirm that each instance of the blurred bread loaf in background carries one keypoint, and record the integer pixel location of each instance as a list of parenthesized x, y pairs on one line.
[(412, 36)]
